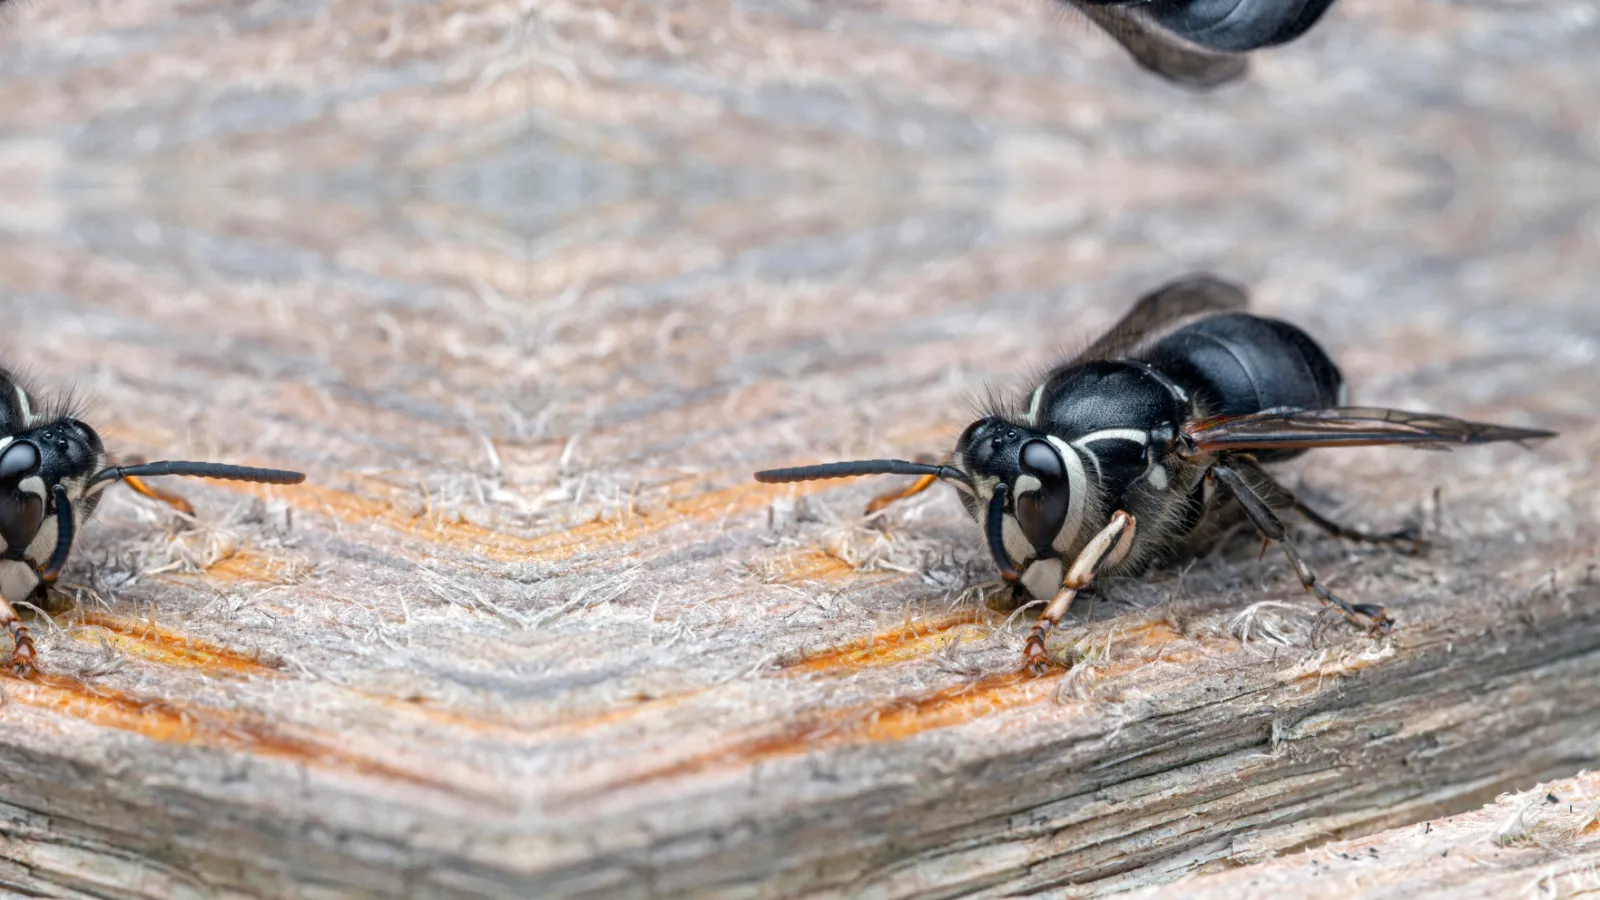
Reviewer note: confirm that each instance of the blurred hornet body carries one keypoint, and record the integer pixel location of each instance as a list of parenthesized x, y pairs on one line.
[(53, 468), (1138, 449), (1201, 43)]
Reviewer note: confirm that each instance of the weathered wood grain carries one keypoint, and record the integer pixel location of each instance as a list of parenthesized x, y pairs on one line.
[(530, 291), (1539, 843)]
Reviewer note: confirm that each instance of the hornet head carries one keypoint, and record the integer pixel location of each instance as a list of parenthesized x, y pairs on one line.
[(1003, 472), (55, 472)]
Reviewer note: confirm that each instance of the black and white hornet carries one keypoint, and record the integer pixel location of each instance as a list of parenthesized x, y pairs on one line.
[(1126, 454), (53, 468)]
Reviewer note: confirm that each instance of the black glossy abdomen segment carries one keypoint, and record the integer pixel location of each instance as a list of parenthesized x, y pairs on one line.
[(1237, 364)]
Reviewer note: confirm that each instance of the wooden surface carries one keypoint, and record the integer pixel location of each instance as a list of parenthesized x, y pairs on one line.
[(530, 290), (1539, 843)]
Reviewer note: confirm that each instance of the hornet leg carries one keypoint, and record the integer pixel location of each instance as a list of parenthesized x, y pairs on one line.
[(143, 487), (1272, 529), (172, 500), (916, 487), (1409, 540), (23, 656), (1112, 543)]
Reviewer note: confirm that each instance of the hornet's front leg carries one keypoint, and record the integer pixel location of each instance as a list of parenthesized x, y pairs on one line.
[(1272, 529), (1108, 547), (141, 486), (23, 656), (883, 500)]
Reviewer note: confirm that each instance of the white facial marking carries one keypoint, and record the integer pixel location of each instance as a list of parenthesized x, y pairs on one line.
[(44, 543), (1078, 483), (17, 579), (6, 442), (1017, 545), (33, 484), (984, 489), (75, 487), (1033, 406), (1027, 484), (1043, 579), (1099, 473)]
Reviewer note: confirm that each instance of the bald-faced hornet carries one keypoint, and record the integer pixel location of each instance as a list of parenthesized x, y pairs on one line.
[(1124, 455), (1200, 43), (53, 468)]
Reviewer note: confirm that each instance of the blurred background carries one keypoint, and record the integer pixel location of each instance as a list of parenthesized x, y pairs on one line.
[(531, 288), (615, 208)]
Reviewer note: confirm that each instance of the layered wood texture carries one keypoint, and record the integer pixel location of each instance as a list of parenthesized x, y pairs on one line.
[(529, 290)]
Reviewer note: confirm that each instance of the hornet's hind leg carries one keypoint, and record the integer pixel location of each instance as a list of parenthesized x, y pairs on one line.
[(1406, 540), (1366, 615)]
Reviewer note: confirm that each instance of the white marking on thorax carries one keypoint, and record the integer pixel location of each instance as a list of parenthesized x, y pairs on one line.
[(1078, 482), (1109, 434), (1033, 406), (1157, 476), (1166, 382), (1137, 435)]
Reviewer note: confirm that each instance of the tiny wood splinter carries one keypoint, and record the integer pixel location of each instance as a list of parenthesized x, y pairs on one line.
[(53, 468), (1133, 451)]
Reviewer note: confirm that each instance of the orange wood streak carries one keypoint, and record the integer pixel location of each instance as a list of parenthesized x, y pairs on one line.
[(553, 546), (176, 723), (1153, 633), (247, 565), (901, 718), (655, 511), (811, 565), (894, 645), (887, 648), (167, 647), (895, 720)]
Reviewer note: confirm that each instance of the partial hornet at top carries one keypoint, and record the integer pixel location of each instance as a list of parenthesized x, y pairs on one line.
[(1201, 43), (53, 469), (1141, 447)]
